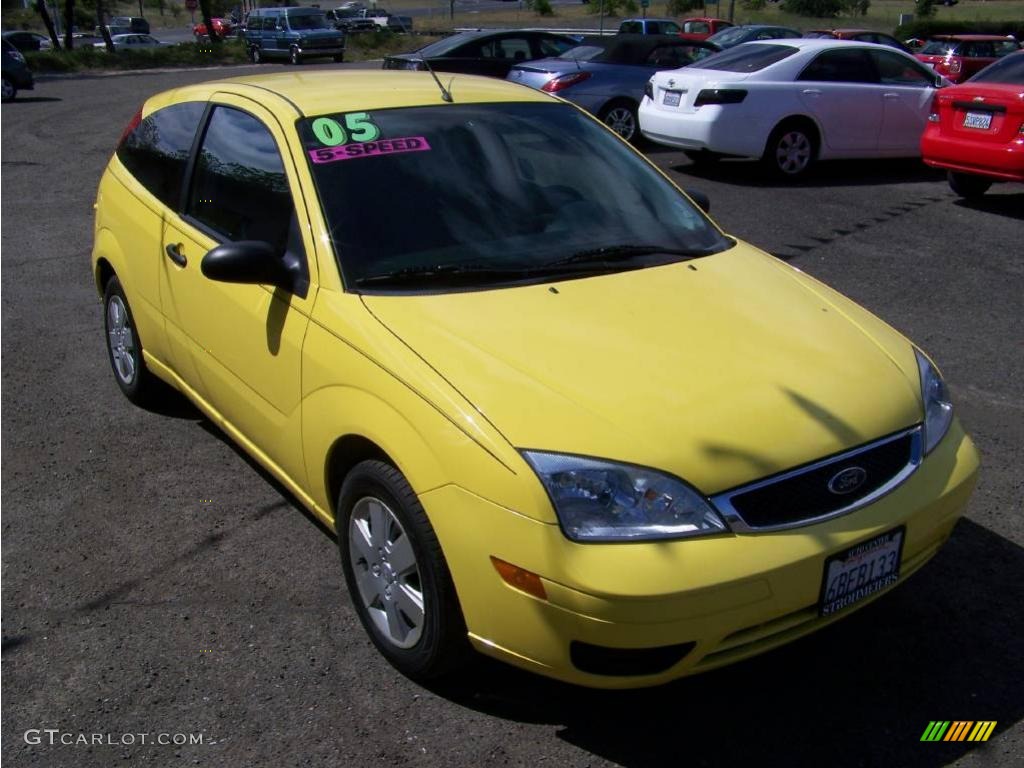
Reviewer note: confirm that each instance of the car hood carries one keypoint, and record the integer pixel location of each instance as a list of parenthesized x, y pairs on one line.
[(720, 370)]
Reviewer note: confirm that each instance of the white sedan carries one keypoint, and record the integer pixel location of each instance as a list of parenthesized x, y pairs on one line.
[(792, 102), (133, 42)]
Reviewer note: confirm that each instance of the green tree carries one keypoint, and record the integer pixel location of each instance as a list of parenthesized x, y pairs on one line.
[(925, 9), (679, 7), (48, 23), (543, 8), (69, 21), (817, 8)]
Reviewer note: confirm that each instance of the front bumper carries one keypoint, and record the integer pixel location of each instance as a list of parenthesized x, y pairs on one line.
[(731, 596)]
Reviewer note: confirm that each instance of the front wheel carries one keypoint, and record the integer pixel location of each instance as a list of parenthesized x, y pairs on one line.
[(791, 150), (967, 185), (294, 57), (255, 56), (621, 117), (9, 91), (396, 573)]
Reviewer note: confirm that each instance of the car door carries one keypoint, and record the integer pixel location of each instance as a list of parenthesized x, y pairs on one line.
[(839, 88), (907, 91), (244, 341)]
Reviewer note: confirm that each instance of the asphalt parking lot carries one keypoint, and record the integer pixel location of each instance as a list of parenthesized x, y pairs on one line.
[(156, 582)]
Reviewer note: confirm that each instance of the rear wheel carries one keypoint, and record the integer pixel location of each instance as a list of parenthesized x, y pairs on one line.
[(124, 346), (967, 185), (9, 91), (256, 55), (791, 149), (621, 117), (396, 573)]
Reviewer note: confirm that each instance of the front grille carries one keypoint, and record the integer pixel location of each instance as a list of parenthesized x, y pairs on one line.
[(804, 495)]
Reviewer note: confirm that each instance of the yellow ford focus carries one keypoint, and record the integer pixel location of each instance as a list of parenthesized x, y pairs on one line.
[(552, 411)]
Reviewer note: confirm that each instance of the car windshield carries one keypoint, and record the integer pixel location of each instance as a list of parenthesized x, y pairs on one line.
[(939, 48), (448, 44), (1009, 70), (480, 194), (750, 57), (727, 36), (307, 21), (583, 52)]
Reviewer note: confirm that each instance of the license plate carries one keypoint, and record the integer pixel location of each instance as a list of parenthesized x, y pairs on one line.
[(980, 120), (672, 98), (858, 572)]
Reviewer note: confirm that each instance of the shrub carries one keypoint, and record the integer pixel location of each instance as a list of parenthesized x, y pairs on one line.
[(753, 5), (924, 9), (543, 8), (817, 8), (89, 57), (925, 28), (679, 7)]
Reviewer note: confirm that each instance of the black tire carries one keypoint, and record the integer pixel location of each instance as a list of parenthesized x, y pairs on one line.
[(621, 116), (371, 555), (256, 55), (9, 91), (340, 58), (967, 185), (791, 149), (294, 57), (701, 157), (124, 347)]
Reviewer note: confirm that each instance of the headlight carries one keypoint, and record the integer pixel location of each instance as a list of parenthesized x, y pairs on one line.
[(606, 501), (938, 406)]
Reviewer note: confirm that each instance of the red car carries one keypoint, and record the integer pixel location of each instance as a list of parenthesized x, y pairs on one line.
[(976, 130), (222, 27), (702, 27), (861, 35), (957, 57)]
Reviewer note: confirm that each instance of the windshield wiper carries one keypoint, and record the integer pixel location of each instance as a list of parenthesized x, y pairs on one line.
[(455, 272), (613, 253)]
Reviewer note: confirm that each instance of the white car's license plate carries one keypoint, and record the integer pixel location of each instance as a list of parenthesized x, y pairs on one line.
[(982, 120), (860, 571), (672, 98)]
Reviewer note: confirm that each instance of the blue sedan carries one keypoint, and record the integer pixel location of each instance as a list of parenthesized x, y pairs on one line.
[(606, 75)]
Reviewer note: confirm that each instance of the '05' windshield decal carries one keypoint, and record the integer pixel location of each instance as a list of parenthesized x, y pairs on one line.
[(356, 135)]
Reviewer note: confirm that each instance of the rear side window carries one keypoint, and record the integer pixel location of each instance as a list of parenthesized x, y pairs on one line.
[(894, 69), (551, 47), (1009, 70), (940, 48), (841, 65), (240, 189), (156, 152), (748, 58)]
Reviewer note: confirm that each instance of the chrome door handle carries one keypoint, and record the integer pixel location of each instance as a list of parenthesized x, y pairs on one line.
[(890, 96), (174, 253), (811, 92)]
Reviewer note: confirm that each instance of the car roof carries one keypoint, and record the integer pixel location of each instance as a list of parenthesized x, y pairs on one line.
[(626, 49), (969, 38), (649, 18), (819, 43), (321, 92)]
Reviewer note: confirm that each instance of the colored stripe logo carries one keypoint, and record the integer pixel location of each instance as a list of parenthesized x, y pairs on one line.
[(958, 730)]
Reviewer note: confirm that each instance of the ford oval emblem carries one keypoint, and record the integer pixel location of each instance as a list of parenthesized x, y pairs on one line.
[(847, 481)]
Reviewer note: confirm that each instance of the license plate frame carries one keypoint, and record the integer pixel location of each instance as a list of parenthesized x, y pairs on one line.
[(980, 121), (869, 567), (672, 98)]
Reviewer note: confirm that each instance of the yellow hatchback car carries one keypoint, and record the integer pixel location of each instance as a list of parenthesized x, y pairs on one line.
[(552, 411)]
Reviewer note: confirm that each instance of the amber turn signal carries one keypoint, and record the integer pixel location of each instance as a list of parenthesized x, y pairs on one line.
[(520, 578)]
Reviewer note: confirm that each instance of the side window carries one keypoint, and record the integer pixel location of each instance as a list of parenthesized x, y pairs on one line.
[(841, 65), (1002, 48), (157, 150), (697, 27), (670, 56), (240, 189), (894, 69), (547, 47), (631, 28)]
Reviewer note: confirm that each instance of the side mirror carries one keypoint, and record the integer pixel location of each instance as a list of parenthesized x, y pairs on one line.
[(703, 201), (247, 261)]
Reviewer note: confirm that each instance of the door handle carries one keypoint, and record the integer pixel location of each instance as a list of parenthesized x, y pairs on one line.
[(891, 96), (811, 92), (174, 253)]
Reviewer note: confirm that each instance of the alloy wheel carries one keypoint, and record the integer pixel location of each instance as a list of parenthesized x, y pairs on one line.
[(121, 339), (622, 121), (793, 152), (386, 572)]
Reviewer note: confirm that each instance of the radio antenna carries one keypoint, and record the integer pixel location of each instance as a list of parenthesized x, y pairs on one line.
[(446, 94)]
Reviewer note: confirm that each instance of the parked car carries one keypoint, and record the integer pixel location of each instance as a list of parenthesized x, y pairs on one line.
[(123, 25), (747, 33), (702, 27), (25, 42), (860, 35), (649, 27), (958, 57), (223, 28), (606, 76), (293, 33), (132, 42), (384, 20), (976, 130), (494, 405), (491, 53), (350, 20), (16, 74), (793, 102)]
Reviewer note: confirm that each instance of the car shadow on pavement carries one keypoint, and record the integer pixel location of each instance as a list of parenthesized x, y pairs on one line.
[(944, 646), (34, 99), (834, 173), (1009, 205)]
